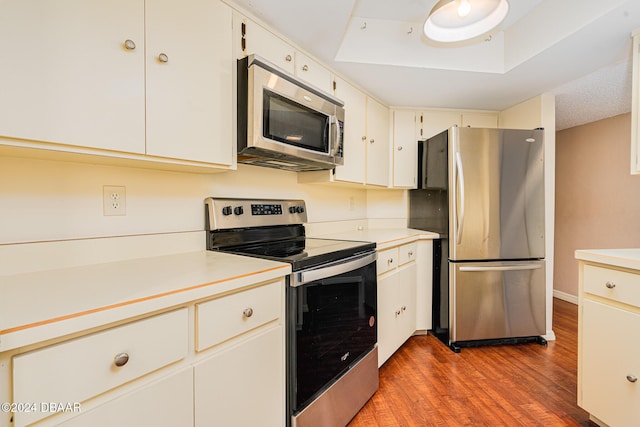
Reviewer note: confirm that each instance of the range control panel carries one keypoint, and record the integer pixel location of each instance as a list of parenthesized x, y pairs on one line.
[(228, 213)]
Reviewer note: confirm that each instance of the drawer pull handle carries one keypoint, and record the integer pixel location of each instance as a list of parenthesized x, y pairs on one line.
[(632, 378), (610, 285), (248, 312), (121, 359), (410, 253)]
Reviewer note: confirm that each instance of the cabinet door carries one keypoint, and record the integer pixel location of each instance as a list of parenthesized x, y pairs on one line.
[(165, 403), (388, 306), (269, 46), (355, 133), (67, 76), (407, 292), (609, 355), (312, 72), (243, 385), (189, 89), (405, 149), (396, 309), (434, 122), (378, 159), (480, 120)]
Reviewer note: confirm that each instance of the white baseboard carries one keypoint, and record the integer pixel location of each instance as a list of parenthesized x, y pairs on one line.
[(573, 299)]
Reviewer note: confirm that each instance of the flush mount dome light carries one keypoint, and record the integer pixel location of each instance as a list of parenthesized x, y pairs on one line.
[(460, 20)]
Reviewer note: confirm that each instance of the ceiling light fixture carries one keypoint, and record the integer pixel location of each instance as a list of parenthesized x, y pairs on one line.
[(453, 21)]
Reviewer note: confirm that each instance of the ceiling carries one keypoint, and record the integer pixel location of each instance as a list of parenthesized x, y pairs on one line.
[(577, 49)]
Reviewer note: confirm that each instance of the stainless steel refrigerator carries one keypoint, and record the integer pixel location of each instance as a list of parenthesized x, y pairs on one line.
[(483, 191)]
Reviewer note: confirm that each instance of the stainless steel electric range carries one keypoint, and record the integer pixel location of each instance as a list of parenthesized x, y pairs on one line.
[(332, 356)]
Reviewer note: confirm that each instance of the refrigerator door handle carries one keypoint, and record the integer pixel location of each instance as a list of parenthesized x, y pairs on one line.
[(461, 213), (502, 267)]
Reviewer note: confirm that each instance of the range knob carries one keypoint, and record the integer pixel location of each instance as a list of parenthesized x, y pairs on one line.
[(238, 210), (299, 209), (227, 210), (292, 209)]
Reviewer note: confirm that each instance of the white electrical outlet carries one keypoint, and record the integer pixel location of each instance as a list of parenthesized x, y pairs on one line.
[(114, 200)]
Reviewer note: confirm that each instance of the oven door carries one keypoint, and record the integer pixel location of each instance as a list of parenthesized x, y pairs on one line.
[(332, 325)]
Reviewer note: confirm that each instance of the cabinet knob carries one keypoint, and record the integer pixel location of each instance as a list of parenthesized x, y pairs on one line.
[(410, 253), (121, 359), (288, 58), (390, 261), (371, 141), (610, 285), (248, 312), (163, 57), (305, 67), (404, 308), (364, 138), (632, 378), (400, 148), (397, 313), (129, 44)]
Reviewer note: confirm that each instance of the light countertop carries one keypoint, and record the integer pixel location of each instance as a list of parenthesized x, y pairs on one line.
[(47, 304), (626, 258), (383, 237)]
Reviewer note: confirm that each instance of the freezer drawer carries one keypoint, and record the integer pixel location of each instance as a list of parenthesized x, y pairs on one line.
[(495, 300)]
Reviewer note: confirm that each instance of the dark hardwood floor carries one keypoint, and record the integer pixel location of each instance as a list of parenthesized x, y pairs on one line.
[(426, 384)]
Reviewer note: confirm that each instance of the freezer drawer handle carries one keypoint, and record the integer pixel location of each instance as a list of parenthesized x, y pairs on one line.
[(502, 268)]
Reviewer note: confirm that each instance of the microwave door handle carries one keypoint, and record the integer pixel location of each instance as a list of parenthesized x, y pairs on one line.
[(337, 138)]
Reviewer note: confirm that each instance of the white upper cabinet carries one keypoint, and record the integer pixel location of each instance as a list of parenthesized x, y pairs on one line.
[(251, 38), (189, 81), (378, 156), (431, 122), (355, 133), (73, 72), (312, 72), (405, 149), (480, 120), (126, 78)]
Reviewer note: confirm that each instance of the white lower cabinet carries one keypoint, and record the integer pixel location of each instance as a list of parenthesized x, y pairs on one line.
[(78, 370), (242, 385), (213, 362), (608, 353), (165, 403), (397, 271)]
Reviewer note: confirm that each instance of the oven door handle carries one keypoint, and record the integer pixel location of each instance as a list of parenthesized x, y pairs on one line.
[(308, 276)]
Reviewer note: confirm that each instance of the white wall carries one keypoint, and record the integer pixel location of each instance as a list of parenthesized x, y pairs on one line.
[(42, 200)]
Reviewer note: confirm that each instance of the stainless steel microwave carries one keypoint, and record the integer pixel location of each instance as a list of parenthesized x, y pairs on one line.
[(285, 123)]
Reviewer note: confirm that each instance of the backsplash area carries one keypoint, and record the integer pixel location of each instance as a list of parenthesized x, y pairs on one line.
[(42, 200)]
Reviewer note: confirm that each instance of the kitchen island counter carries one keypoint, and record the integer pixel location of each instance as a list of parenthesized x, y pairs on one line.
[(625, 258)]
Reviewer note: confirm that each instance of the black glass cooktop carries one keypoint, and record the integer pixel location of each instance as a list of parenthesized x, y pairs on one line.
[(305, 253)]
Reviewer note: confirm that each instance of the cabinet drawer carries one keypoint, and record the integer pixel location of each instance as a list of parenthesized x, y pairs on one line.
[(408, 253), (387, 260), (76, 370), (223, 318), (613, 284)]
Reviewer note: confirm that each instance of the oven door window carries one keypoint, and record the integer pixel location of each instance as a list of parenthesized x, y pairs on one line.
[(294, 124), (335, 324)]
